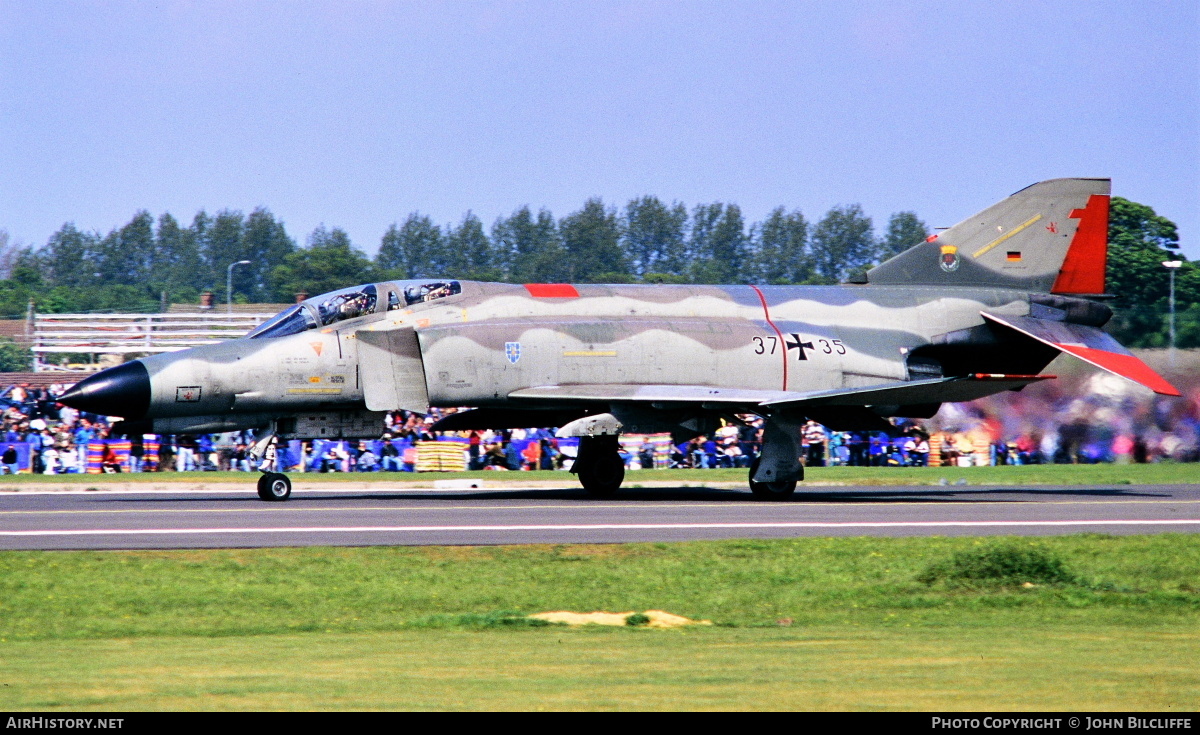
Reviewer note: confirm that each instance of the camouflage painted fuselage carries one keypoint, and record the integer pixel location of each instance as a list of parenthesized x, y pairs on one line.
[(499, 340), (505, 345)]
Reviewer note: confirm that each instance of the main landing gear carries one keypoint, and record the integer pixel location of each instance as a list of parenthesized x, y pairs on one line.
[(599, 465), (274, 486), (777, 490), (774, 474)]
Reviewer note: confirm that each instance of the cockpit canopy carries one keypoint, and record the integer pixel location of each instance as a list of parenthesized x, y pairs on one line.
[(349, 303)]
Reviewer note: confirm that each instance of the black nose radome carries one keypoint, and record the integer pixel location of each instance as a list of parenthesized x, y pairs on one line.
[(120, 391)]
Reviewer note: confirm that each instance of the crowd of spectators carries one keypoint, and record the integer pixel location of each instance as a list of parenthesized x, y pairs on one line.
[(1093, 417), (1084, 417)]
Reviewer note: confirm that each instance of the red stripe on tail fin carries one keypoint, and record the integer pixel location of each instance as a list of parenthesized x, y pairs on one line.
[(1083, 270)]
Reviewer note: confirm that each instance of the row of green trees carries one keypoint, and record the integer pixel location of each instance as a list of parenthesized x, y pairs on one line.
[(647, 240), (1139, 242), (131, 267)]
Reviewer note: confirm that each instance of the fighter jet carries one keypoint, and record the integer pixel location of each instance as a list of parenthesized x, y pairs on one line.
[(980, 308)]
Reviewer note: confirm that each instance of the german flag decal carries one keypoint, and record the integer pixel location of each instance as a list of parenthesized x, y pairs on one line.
[(1014, 256)]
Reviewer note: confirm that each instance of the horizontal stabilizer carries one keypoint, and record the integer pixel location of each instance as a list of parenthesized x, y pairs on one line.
[(1090, 345)]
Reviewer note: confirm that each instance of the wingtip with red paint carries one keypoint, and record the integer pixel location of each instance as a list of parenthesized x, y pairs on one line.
[(1127, 366)]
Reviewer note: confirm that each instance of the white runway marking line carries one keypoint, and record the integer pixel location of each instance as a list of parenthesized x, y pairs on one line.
[(598, 527), (247, 490), (586, 505), (589, 505)]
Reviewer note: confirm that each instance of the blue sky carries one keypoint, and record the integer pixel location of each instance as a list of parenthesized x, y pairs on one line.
[(354, 114)]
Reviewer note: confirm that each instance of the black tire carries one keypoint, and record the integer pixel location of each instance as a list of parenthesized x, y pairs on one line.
[(778, 490), (274, 487), (603, 478), (599, 466)]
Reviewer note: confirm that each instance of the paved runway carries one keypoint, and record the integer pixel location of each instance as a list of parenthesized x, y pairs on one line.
[(346, 516)]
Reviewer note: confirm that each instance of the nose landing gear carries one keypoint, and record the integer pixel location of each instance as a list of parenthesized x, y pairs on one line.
[(274, 487)]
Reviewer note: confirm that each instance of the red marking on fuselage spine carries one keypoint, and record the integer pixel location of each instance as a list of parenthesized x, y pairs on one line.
[(1082, 270), (1126, 366), (552, 290), (767, 316)]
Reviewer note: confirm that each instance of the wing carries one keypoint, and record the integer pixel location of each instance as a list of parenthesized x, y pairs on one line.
[(849, 409), (667, 394), (935, 390)]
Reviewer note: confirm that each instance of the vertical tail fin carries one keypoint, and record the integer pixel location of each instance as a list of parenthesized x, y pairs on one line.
[(1049, 237)]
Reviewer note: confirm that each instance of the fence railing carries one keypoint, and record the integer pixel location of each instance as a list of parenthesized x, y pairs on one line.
[(125, 334)]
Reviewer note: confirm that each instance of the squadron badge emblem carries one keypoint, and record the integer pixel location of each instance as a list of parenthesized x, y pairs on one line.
[(949, 260), (512, 350)]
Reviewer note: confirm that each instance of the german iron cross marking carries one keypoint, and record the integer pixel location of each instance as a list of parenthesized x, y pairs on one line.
[(796, 344)]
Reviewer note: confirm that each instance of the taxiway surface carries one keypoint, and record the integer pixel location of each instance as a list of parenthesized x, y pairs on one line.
[(346, 516)]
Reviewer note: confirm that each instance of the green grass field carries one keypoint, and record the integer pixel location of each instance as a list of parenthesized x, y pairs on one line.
[(828, 668), (1106, 474), (1074, 622)]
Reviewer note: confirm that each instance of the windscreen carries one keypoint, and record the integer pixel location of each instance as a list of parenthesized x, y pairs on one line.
[(331, 307), (291, 320), (349, 303)]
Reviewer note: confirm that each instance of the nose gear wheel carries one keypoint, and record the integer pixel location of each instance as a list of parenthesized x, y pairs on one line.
[(274, 487)]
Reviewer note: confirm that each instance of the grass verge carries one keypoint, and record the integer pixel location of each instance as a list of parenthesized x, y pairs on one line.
[(1071, 622), (1142, 580), (1095, 668)]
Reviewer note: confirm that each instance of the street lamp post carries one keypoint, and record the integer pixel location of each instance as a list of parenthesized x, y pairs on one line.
[(229, 285), (1172, 266)]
